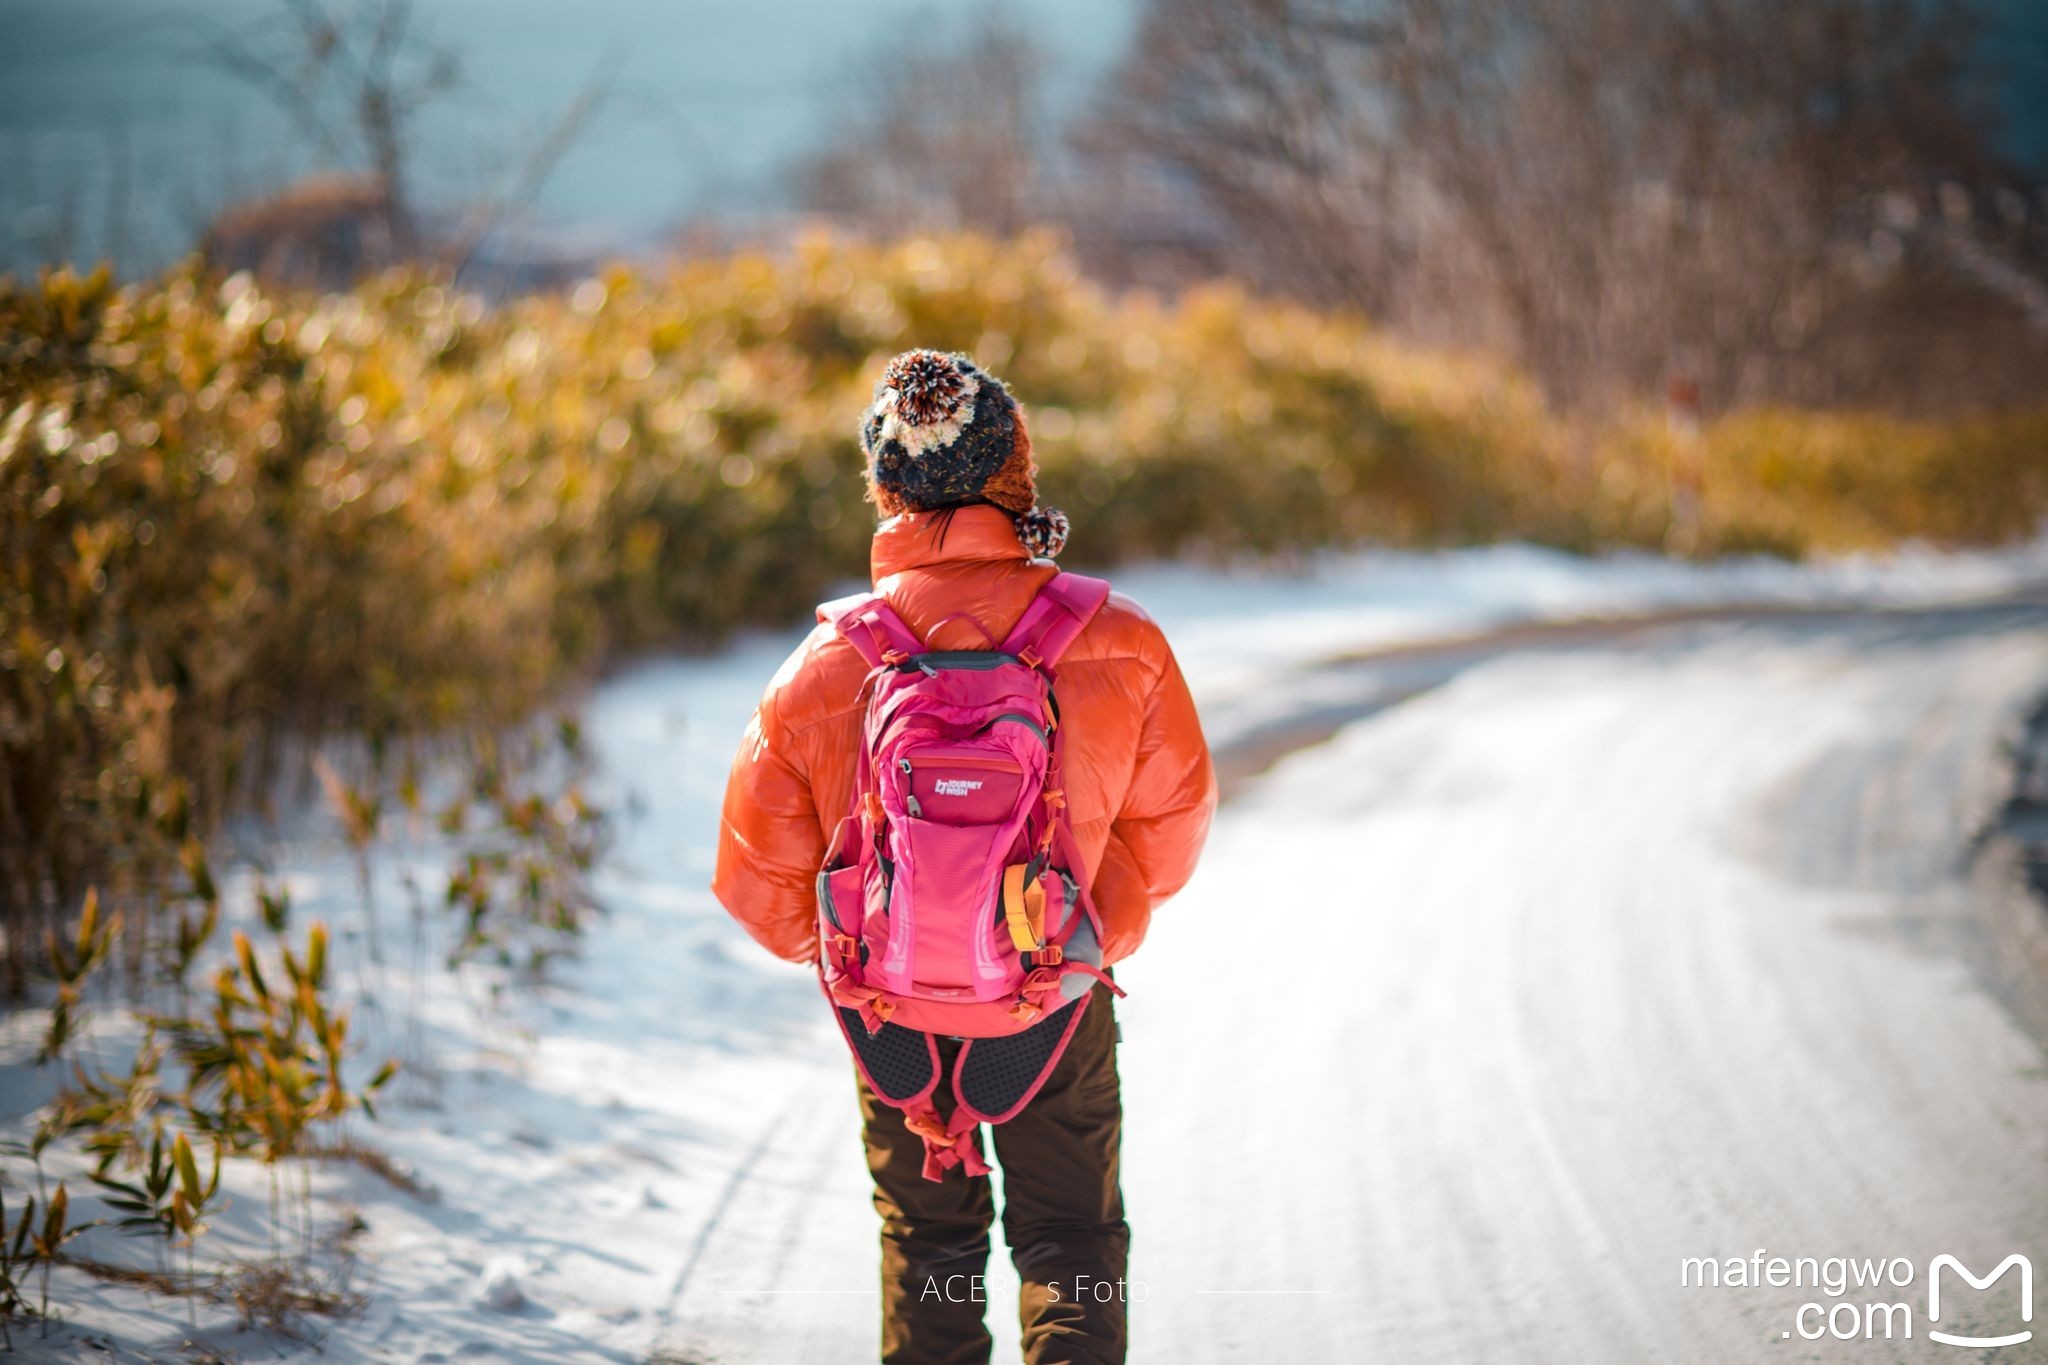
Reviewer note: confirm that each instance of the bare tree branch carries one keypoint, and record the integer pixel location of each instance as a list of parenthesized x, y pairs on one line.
[(539, 163), (1617, 190)]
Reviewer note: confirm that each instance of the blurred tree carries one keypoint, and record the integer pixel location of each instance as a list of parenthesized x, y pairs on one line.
[(1755, 199), (353, 78), (941, 132), (352, 82)]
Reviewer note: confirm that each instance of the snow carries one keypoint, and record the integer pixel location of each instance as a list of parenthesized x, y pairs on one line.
[(1233, 630), (1564, 1005), (498, 1287), (1539, 1011)]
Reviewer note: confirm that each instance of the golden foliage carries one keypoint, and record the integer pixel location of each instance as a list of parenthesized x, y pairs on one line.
[(230, 518)]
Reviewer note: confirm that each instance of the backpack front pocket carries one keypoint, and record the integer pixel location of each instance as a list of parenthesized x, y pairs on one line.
[(960, 786), (941, 944)]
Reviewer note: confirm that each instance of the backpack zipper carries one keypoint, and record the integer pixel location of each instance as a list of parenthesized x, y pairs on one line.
[(959, 759), (910, 797)]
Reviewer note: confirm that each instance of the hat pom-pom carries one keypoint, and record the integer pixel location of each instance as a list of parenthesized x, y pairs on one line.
[(925, 400), (1043, 531), (929, 387)]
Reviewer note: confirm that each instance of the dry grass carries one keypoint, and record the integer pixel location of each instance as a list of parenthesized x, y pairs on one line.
[(378, 1163), (271, 1294)]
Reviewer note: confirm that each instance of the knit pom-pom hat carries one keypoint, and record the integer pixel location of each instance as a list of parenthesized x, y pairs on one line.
[(943, 432)]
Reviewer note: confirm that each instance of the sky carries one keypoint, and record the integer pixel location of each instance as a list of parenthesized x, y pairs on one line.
[(708, 102), (118, 133)]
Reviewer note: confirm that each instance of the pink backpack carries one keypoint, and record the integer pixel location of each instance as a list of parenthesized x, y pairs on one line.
[(953, 883)]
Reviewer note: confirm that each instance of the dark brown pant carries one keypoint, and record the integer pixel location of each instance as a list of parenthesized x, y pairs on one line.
[(1063, 1216)]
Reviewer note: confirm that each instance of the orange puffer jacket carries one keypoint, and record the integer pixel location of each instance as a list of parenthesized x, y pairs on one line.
[(1140, 787)]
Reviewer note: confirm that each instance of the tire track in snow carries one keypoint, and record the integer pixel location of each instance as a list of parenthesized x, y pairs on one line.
[(773, 1272), (734, 1183), (1307, 705)]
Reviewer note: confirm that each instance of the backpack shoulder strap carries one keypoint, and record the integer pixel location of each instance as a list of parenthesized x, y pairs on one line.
[(870, 625), (1062, 609)]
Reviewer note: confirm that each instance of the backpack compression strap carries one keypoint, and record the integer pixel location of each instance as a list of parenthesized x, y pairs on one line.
[(871, 626), (1062, 609)]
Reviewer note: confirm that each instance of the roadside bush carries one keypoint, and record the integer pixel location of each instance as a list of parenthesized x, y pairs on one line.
[(234, 523)]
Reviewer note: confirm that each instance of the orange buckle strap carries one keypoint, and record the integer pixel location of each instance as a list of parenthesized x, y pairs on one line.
[(1055, 802), (1039, 982), (946, 1145), (927, 1125), (875, 1007), (1044, 980)]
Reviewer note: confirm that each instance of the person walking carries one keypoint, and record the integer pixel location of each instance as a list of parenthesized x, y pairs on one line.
[(1099, 806)]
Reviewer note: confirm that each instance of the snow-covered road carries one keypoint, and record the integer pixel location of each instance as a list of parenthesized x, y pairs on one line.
[(1573, 951), (1574, 968)]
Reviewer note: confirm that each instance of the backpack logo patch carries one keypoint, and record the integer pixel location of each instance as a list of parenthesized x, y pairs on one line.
[(955, 786)]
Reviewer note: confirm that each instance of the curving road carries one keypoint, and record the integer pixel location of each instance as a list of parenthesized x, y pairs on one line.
[(1600, 951)]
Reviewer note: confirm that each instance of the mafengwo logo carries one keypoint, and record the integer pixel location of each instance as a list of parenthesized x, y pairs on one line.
[(1946, 1262), (1880, 1314)]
